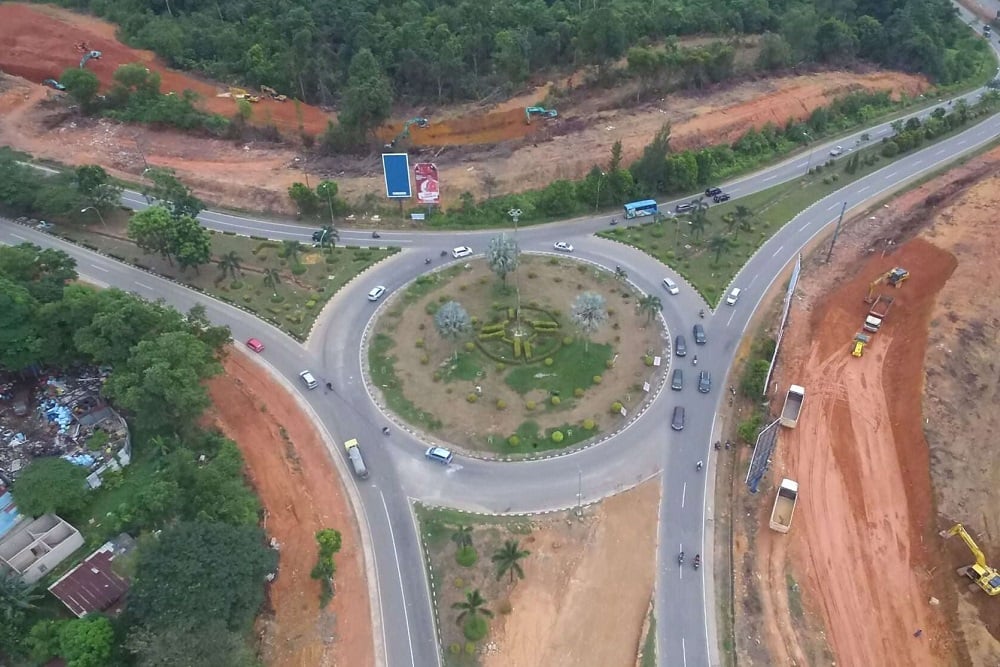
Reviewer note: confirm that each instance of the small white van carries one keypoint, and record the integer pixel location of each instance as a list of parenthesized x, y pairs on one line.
[(734, 296), (670, 285)]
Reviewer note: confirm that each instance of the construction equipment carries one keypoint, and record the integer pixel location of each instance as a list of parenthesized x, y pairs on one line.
[(52, 83), (90, 55), (405, 133), (895, 277), (985, 576), (539, 111), (267, 90), (878, 312), (859, 343)]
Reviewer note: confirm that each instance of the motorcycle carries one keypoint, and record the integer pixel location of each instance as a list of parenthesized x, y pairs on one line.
[(697, 561), (385, 430), (695, 360), (699, 465), (427, 261), (375, 235), (701, 313), (680, 558), (614, 221), (444, 253)]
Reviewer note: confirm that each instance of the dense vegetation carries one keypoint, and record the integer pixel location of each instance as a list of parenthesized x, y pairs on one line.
[(461, 49), (199, 569)]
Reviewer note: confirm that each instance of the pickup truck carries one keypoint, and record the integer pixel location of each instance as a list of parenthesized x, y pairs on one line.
[(878, 312), (792, 408), (784, 506)]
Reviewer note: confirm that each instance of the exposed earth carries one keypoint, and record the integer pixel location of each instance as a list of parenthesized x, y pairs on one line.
[(466, 142), (888, 449), (291, 470)]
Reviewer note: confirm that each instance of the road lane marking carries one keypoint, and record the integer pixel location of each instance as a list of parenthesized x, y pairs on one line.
[(18, 236), (99, 268), (770, 178), (940, 152), (803, 227), (960, 143), (891, 174), (833, 206), (684, 653), (684, 490), (750, 284), (863, 189), (399, 573), (778, 250), (730, 320), (143, 285)]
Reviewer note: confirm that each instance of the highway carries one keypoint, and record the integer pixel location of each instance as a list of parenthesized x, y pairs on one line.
[(685, 607)]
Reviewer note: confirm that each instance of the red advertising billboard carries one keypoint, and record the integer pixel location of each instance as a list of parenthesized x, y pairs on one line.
[(426, 177)]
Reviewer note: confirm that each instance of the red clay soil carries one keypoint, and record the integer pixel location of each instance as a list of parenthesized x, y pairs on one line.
[(865, 510), (301, 492), (485, 128), (40, 42)]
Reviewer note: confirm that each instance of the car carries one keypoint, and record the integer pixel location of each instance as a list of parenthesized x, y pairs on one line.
[(699, 335), (670, 285), (44, 226), (439, 455), (308, 378), (680, 347), (677, 380), (677, 423), (711, 192), (255, 345), (317, 235), (376, 293), (734, 296), (704, 382), (836, 151), (563, 246), (684, 208), (461, 251), (721, 197)]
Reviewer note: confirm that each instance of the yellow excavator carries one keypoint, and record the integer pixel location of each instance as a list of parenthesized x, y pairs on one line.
[(985, 576), (895, 277)]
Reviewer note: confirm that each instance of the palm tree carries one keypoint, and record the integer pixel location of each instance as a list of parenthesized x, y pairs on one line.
[(651, 305), (229, 264), (453, 323), (698, 216), (589, 313), (16, 598), (162, 444), (328, 236), (743, 217), (720, 244), (507, 559), (272, 279), (292, 251), (462, 537), (503, 255), (473, 607)]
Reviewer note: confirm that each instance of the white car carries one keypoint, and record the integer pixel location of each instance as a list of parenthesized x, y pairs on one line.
[(376, 293), (563, 246), (44, 226), (837, 150), (671, 286), (308, 378), (461, 251)]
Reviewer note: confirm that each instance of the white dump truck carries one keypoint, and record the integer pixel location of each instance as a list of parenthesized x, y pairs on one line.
[(784, 506), (792, 408)]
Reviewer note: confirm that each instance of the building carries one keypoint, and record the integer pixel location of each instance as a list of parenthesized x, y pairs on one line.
[(93, 586), (32, 547)]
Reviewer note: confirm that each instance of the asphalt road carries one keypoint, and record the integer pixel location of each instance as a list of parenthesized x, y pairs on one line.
[(399, 473)]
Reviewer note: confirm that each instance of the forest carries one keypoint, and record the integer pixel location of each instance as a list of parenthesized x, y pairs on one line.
[(446, 50)]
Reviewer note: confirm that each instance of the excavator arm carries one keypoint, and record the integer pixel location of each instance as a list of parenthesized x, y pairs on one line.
[(985, 577)]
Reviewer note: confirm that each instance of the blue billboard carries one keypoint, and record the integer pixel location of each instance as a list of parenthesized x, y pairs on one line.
[(397, 175)]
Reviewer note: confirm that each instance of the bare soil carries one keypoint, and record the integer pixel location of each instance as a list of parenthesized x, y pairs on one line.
[(874, 490), (292, 472), (552, 286)]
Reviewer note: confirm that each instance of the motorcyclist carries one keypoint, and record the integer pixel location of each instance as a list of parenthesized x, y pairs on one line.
[(695, 361), (699, 465), (375, 235), (385, 430), (427, 261), (701, 313), (329, 385), (680, 557), (697, 560), (614, 221)]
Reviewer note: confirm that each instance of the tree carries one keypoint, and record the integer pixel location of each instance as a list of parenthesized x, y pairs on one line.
[(452, 322), (507, 559), (166, 188), (292, 251), (20, 343), (82, 85), (208, 645), (328, 191), (160, 383), (199, 573), (503, 255), (474, 605), (190, 243), (743, 218), (699, 215), (602, 36), (775, 52), (835, 41), (153, 230), (462, 537), (43, 272), (367, 96), (229, 265), (720, 244), (86, 642), (95, 184), (328, 236), (272, 278), (306, 200), (650, 305), (589, 313), (51, 484), (649, 170)]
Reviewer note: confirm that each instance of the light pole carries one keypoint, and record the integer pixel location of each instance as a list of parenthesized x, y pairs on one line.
[(515, 215), (810, 155), (597, 200), (95, 210)]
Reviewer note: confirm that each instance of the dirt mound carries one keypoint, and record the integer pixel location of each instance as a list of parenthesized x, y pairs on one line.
[(41, 42), (291, 470)]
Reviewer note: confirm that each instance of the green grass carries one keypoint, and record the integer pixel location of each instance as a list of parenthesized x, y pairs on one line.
[(574, 366), (649, 644), (674, 244), (381, 363), (295, 302), (466, 366), (112, 497), (437, 525), (532, 440)]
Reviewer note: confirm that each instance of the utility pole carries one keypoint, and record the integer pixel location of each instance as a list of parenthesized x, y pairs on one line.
[(515, 215), (836, 232), (579, 492)]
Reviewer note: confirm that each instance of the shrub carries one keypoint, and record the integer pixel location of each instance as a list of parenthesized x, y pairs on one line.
[(470, 648), (530, 405), (458, 582), (609, 363), (589, 424), (500, 366), (501, 404), (471, 398), (555, 400), (597, 379), (475, 628), (418, 342), (298, 269), (578, 393), (648, 360), (567, 340), (466, 556), (549, 361), (454, 648), (514, 441), (469, 346), (437, 376), (616, 407), (557, 436), (424, 360)]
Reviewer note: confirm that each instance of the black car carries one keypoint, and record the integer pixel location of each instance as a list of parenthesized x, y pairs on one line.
[(721, 197), (699, 335), (711, 192), (680, 346), (704, 382), (317, 235), (677, 380), (677, 422), (684, 208)]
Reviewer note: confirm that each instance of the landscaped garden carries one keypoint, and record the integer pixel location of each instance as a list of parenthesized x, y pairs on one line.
[(453, 354)]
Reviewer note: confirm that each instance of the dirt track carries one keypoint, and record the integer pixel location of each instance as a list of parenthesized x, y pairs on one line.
[(291, 470)]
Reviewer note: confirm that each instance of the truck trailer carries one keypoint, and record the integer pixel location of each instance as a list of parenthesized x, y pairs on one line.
[(784, 505), (793, 406)]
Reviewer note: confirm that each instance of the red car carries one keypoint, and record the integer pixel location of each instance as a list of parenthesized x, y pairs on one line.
[(255, 345)]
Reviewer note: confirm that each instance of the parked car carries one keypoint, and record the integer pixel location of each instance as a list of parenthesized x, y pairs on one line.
[(439, 455), (461, 251), (721, 197), (308, 378), (255, 345), (44, 226), (699, 335), (704, 382), (563, 246), (376, 293), (711, 192), (680, 346), (677, 423), (677, 380), (670, 285)]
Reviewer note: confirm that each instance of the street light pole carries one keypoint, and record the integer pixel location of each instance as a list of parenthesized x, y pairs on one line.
[(515, 215), (95, 210), (597, 201), (810, 155)]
